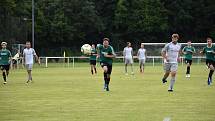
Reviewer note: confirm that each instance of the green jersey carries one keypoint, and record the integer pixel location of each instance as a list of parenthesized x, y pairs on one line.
[(103, 51), (5, 57), (208, 51), (188, 50), (93, 56)]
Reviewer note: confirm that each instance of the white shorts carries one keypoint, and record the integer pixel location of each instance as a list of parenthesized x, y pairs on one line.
[(29, 66), (142, 61), (128, 61), (171, 67)]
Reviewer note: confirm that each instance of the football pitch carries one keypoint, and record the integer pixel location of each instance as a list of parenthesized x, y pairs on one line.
[(73, 94)]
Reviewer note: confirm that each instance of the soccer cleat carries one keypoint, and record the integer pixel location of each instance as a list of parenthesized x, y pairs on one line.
[(209, 81), (107, 88), (170, 90), (164, 81), (187, 75), (27, 81), (132, 73), (5, 82)]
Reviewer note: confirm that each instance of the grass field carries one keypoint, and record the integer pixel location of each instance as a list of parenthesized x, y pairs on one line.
[(72, 94)]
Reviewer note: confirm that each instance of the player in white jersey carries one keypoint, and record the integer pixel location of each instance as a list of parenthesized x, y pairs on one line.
[(171, 56), (141, 54), (28, 59), (128, 57)]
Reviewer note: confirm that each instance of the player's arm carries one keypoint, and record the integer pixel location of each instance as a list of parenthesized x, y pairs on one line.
[(112, 55), (194, 50), (132, 53), (123, 53), (98, 50), (183, 50), (202, 52), (37, 58), (10, 59), (138, 53), (146, 54), (163, 52), (179, 55)]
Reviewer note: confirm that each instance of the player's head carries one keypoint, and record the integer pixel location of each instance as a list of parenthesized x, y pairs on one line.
[(106, 42), (189, 42), (128, 44), (93, 46), (28, 44), (142, 45), (209, 41), (4, 45), (175, 38)]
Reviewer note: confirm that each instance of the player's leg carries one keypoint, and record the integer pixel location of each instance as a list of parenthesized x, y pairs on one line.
[(126, 65), (94, 66), (173, 69), (131, 63), (105, 70), (91, 66), (167, 72), (29, 70), (4, 74), (7, 68), (141, 64), (109, 67), (211, 67), (188, 68)]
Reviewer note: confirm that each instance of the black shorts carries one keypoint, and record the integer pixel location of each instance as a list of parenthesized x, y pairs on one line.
[(188, 61), (109, 67), (5, 67), (210, 62), (92, 62), (14, 61)]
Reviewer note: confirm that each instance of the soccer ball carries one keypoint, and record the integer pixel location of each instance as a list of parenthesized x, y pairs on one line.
[(86, 49)]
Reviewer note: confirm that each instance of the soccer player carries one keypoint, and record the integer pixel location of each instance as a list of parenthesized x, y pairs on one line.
[(106, 55), (209, 52), (188, 53), (5, 61), (93, 56), (141, 54), (28, 58), (128, 57), (171, 53)]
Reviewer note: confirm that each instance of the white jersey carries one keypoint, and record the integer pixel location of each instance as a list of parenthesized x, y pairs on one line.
[(128, 52), (29, 55), (142, 53), (172, 52)]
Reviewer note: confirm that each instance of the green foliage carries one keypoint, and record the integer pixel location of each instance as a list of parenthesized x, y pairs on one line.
[(71, 23)]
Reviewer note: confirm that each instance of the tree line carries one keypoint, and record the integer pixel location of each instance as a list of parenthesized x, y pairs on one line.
[(71, 23)]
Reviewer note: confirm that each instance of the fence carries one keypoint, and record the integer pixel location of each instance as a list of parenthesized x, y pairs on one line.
[(72, 60)]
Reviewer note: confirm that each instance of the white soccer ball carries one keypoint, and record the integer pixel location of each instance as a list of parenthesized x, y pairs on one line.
[(86, 49)]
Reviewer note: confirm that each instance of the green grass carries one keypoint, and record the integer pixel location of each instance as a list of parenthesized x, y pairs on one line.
[(72, 94)]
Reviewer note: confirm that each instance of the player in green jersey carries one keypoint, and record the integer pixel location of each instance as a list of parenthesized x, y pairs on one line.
[(93, 56), (106, 55), (5, 61), (188, 52), (209, 52)]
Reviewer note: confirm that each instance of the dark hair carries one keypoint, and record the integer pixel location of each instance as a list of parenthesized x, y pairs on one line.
[(209, 38), (128, 43), (106, 39)]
